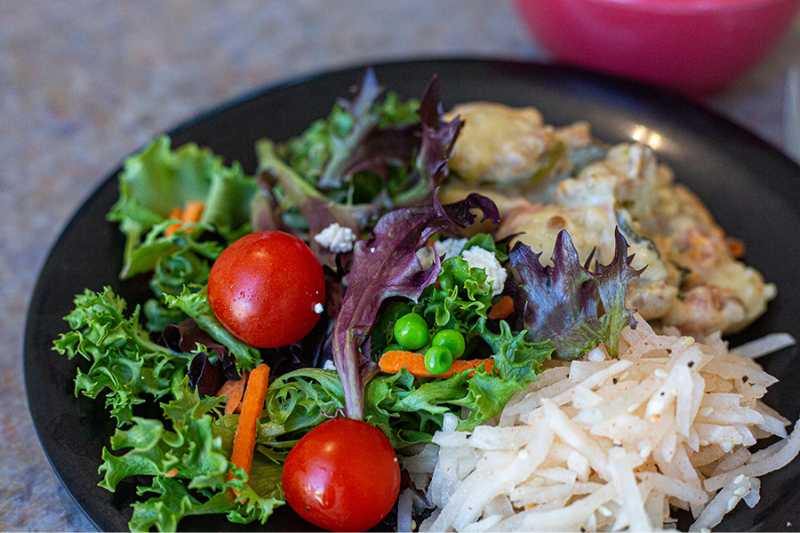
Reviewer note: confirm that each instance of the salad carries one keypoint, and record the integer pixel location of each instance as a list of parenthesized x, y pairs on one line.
[(328, 331)]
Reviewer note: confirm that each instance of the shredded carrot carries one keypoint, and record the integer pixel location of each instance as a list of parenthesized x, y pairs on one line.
[(502, 309), (233, 392), (191, 212), (393, 361), (244, 441), (171, 473), (176, 212)]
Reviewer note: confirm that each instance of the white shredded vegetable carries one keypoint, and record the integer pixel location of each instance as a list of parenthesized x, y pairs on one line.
[(614, 444), (765, 345)]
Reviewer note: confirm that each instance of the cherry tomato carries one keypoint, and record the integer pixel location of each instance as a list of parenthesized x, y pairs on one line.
[(342, 475), (267, 288)]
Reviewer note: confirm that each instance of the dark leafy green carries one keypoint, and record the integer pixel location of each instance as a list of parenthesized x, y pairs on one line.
[(318, 210), (404, 410), (438, 139)]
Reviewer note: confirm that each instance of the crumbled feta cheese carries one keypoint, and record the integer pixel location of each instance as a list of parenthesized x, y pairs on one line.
[(336, 238), (425, 256), (449, 247), (328, 365), (477, 257), (318, 308)]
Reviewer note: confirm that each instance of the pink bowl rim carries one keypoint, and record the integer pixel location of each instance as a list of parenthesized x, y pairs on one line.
[(691, 6)]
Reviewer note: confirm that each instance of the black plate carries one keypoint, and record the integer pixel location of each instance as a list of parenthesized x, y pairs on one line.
[(750, 187)]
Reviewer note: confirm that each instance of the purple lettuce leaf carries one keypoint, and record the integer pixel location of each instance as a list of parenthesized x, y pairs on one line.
[(383, 148), (187, 334), (460, 213), (210, 369), (612, 281), (204, 376), (438, 139), (575, 308), (266, 211), (385, 266), (364, 121)]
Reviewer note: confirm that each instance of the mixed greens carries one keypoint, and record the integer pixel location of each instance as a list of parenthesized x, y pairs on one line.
[(373, 167)]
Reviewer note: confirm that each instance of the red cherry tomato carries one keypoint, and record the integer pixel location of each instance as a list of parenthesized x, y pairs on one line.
[(267, 288), (342, 475)]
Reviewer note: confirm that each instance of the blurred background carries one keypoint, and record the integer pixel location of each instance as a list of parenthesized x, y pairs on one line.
[(84, 83)]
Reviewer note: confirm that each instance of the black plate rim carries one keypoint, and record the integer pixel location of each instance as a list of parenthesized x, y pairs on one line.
[(653, 96)]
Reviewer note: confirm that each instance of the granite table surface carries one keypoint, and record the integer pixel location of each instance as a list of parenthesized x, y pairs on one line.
[(83, 83)]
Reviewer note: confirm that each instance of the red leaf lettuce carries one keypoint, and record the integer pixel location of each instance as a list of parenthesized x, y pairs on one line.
[(574, 307)]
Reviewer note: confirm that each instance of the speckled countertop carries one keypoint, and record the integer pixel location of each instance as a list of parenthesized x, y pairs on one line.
[(84, 82)]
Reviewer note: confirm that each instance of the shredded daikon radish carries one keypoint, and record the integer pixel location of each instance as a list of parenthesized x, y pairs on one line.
[(614, 444), (765, 345)]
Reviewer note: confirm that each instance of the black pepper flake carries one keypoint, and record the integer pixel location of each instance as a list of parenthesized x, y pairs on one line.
[(583, 530), (744, 379), (662, 393), (690, 364), (614, 381), (468, 436)]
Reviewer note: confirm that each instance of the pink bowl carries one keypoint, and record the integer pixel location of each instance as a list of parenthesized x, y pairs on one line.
[(695, 46)]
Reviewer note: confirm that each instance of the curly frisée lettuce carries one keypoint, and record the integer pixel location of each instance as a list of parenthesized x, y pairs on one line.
[(124, 361), (190, 464), (405, 410), (195, 304), (359, 134)]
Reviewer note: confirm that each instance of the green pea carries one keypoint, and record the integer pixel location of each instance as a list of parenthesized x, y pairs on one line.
[(438, 359), (452, 339), (411, 332)]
